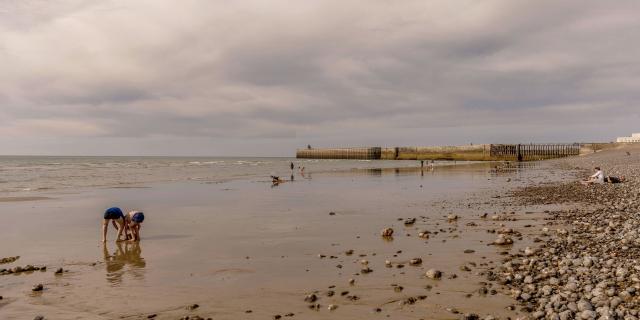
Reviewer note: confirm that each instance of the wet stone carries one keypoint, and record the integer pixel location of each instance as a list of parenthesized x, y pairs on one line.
[(386, 232), (311, 298), (433, 274), (192, 306)]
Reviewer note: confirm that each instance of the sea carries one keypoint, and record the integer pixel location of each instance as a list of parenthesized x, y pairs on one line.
[(31, 175)]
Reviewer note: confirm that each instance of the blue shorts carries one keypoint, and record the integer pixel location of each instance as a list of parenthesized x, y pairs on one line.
[(138, 217), (113, 213)]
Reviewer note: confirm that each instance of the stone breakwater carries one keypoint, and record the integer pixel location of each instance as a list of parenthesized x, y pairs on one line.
[(587, 264)]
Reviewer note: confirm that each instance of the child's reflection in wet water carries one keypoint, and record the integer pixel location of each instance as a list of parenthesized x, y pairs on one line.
[(126, 253)]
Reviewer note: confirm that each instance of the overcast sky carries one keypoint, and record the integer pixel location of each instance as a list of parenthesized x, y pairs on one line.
[(155, 77)]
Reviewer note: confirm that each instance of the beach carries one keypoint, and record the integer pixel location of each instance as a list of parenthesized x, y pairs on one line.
[(239, 248)]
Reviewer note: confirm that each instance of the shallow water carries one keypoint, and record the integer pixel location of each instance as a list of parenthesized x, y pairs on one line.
[(31, 175), (247, 245)]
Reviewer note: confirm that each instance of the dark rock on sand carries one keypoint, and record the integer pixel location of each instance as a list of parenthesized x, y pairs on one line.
[(9, 259), (38, 287), (433, 274), (386, 232)]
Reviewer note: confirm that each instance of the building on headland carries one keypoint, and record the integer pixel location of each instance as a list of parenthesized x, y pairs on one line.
[(634, 138)]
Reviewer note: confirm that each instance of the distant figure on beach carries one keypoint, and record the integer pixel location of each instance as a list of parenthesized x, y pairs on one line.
[(276, 180), (597, 177), (421, 163), (292, 166), (116, 217), (133, 222), (612, 179), (309, 146)]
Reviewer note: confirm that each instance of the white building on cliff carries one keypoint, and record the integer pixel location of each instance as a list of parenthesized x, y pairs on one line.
[(634, 138)]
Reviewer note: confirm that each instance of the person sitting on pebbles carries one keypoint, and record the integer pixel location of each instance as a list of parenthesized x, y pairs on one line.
[(612, 179), (115, 215), (597, 177), (133, 221)]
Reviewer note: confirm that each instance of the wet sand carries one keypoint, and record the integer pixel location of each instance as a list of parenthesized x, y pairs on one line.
[(244, 245), (15, 199)]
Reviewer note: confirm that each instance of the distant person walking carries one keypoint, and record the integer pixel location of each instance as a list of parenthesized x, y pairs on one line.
[(292, 166)]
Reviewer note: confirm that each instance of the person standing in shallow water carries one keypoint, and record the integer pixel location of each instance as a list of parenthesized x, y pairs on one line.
[(116, 217)]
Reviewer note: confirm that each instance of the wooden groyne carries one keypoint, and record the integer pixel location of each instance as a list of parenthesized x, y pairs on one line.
[(481, 152)]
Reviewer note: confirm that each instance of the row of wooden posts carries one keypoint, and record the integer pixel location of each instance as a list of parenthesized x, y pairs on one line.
[(524, 152), (483, 152)]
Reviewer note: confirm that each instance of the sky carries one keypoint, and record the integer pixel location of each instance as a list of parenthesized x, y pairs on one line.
[(262, 78)]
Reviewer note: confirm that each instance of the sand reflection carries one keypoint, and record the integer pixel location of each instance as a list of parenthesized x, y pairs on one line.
[(126, 260)]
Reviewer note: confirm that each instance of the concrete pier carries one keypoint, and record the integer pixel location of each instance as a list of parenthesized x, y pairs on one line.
[(481, 152)]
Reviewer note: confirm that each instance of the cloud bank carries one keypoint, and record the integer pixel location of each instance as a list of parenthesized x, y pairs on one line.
[(264, 77)]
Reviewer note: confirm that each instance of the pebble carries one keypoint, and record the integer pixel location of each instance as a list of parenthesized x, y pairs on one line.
[(9, 259), (433, 274), (192, 306), (503, 240), (386, 232), (311, 298)]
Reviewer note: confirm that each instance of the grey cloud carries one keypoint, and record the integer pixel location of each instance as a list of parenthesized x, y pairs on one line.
[(330, 72)]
